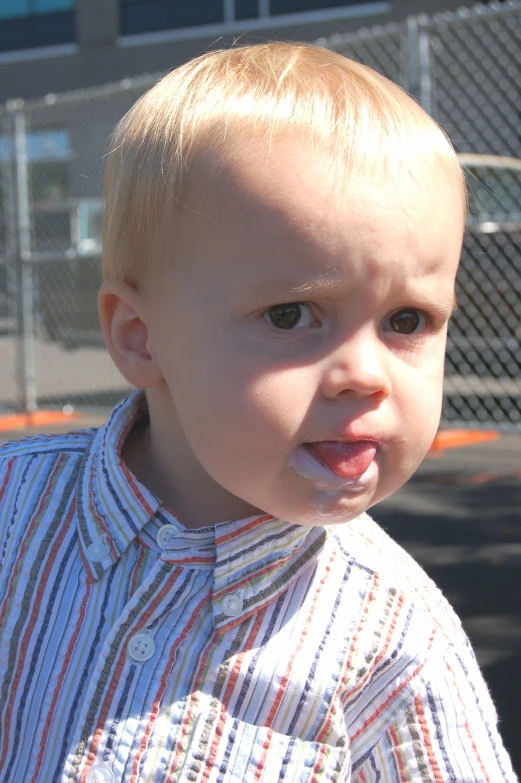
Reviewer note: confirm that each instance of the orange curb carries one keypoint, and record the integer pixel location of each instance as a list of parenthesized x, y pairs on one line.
[(21, 421), (454, 439), (445, 439)]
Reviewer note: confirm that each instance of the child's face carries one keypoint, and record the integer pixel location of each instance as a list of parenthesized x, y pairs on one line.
[(300, 331)]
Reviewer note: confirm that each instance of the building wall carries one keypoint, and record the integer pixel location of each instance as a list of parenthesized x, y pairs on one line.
[(101, 54)]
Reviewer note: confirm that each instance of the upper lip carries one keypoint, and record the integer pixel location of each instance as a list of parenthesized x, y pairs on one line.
[(347, 439)]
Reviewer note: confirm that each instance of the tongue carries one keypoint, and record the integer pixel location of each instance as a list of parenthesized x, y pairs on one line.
[(349, 460)]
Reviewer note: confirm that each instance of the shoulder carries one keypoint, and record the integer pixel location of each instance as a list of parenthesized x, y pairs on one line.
[(71, 442), (402, 629), (398, 575), (38, 482), (32, 468)]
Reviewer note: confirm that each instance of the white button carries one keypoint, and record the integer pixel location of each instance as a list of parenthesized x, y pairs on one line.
[(97, 551), (166, 535), (232, 604), (141, 646), (100, 773)]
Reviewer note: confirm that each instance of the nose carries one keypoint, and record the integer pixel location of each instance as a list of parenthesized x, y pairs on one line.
[(358, 367)]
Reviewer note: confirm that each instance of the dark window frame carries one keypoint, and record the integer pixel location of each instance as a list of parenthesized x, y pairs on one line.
[(146, 16), (30, 32), (149, 16), (287, 7)]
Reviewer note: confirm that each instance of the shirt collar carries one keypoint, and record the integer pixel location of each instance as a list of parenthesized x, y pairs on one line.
[(112, 506), (255, 559)]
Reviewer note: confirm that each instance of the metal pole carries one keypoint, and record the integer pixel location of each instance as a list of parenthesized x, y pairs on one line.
[(25, 352), (263, 9), (413, 58), (424, 57), (418, 58), (229, 10)]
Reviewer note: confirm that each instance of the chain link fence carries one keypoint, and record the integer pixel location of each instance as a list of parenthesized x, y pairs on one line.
[(464, 68), (51, 155)]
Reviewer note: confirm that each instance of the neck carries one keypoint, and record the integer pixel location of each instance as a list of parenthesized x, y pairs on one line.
[(159, 456)]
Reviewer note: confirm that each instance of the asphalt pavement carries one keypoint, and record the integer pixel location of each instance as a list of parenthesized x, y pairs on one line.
[(460, 518)]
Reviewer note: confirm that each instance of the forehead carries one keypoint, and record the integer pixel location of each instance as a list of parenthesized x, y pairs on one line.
[(287, 206), (285, 175)]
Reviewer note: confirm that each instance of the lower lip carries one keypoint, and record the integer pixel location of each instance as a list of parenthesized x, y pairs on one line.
[(304, 462)]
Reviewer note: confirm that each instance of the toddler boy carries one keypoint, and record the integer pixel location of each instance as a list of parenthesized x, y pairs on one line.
[(195, 592)]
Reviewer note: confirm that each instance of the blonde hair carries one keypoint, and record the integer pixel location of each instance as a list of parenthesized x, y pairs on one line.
[(362, 117)]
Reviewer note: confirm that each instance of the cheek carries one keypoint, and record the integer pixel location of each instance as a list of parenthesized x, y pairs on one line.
[(250, 408), (281, 400), (420, 394), (422, 397), (422, 421)]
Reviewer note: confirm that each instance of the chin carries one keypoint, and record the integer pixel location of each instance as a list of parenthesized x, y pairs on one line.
[(326, 512)]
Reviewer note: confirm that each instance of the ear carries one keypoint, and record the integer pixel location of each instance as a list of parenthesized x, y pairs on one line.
[(125, 331)]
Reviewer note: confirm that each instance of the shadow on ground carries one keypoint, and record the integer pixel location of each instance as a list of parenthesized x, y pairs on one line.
[(467, 536)]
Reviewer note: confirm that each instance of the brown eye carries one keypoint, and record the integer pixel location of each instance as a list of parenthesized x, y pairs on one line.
[(405, 321), (289, 316)]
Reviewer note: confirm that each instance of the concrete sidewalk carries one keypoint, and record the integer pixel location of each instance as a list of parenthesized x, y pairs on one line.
[(460, 518)]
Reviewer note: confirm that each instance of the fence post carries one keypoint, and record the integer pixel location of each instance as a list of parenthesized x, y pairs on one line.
[(413, 58), (418, 47), (25, 369), (425, 65)]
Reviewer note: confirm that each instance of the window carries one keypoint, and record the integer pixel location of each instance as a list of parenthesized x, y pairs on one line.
[(28, 23), (48, 157), (294, 6), (246, 9), (142, 16)]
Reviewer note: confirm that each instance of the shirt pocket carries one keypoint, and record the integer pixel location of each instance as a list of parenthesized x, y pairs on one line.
[(232, 751)]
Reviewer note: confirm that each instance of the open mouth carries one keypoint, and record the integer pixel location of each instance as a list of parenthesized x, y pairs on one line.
[(349, 466), (348, 459)]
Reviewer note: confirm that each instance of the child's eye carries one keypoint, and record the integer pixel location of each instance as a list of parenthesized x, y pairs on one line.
[(408, 321), (292, 315)]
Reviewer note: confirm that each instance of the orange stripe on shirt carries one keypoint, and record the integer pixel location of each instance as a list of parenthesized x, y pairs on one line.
[(427, 740), (27, 537), (398, 755), (386, 703), (353, 691), (247, 579), (7, 477), (35, 615), (286, 677), (220, 540), (352, 647), (61, 677), (187, 717), (115, 677), (161, 690), (228, 692), (262, 761), (393, 695), (467, 727)]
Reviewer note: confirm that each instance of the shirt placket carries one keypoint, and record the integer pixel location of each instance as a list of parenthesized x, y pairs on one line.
[(129, 678)]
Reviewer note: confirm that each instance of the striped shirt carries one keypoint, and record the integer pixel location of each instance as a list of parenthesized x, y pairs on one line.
[(133, 649)]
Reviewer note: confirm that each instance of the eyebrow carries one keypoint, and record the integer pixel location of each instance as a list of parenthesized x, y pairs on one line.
[(324, 285), (317, 285)]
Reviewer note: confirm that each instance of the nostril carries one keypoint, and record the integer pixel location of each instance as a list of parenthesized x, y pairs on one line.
[(381, 394)]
